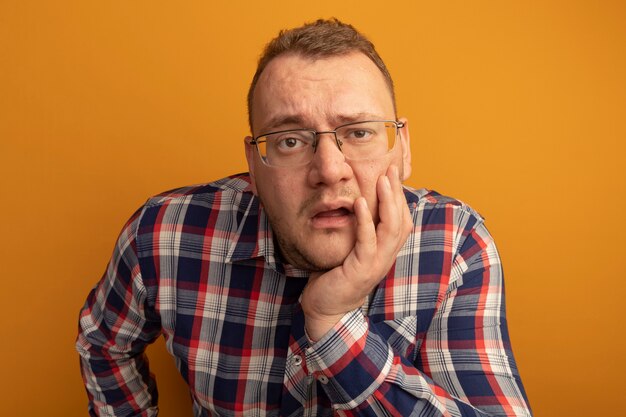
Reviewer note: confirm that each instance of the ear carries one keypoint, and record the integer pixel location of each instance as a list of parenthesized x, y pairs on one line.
[(251, 155), (406, 148)]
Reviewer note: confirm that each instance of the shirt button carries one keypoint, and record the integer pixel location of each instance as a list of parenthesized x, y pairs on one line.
[(297, 360), (323, 379)]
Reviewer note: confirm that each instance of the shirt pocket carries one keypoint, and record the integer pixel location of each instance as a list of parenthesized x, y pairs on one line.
[(401, 334)]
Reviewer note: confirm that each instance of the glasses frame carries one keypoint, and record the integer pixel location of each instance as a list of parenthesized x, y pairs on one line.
[(255, 140)]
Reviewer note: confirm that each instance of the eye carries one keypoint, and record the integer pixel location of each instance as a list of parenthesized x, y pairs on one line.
[(358, 134), (290, 142)]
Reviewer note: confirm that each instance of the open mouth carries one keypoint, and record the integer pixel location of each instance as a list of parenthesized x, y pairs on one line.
[(330, 219), (334, 213)]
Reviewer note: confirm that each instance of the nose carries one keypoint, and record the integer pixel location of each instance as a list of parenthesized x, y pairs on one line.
[(329, 165)]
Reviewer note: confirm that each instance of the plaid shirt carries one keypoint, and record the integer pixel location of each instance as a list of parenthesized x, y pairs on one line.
[(199, 266)]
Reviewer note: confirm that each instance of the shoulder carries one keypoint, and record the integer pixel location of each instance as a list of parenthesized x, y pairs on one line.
[(446, 229), (198, 204), (428, 207), (232, 185)]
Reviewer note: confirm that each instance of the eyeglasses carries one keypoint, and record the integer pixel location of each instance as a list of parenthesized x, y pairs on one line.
[(358, 140)]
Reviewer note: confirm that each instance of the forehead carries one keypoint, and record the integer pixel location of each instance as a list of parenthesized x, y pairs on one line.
[(297, 90)]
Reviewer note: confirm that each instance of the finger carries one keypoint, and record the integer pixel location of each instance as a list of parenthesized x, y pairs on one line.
[(388, 213), (396, 222), (365, 230), (393, 173)]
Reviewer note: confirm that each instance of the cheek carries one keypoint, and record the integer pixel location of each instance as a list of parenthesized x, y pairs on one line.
[(367, 174), (280, 195)]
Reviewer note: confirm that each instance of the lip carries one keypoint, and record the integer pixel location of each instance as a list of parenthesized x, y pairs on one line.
[(332, 215)]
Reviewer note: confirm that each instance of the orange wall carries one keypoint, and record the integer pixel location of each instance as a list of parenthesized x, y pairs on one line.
[(515, 107)]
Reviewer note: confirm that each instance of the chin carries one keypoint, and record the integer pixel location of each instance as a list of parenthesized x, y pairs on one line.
[(323, 264), (326, 254), (320, 250)]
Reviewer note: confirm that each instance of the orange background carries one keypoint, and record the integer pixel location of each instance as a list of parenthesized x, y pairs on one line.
[(516, 107)]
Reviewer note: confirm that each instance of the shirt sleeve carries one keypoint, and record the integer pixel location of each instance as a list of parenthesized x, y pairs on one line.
[(464, 367), (116, 324)]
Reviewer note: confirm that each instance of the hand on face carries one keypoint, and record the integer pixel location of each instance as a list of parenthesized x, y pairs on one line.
[(329, 296)]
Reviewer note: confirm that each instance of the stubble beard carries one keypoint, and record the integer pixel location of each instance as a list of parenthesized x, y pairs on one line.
[(292, 252), (294, 256)]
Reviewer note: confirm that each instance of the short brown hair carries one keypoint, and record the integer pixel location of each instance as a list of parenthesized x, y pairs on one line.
[(319, 39)]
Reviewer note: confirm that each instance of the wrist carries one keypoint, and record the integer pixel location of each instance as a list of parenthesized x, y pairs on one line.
[(317, 326)]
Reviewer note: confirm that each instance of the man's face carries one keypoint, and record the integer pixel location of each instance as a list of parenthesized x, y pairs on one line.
[(310, 207)]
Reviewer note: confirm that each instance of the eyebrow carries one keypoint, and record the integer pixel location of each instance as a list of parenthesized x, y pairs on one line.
[(300, 121), (358, 117), (282, 120)]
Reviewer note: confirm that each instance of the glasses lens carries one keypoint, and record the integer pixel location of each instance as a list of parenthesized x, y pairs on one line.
[(367, 139), (362, 140), (286, 149)]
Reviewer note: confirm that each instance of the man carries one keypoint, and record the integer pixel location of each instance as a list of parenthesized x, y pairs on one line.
[(316, 284)]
